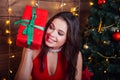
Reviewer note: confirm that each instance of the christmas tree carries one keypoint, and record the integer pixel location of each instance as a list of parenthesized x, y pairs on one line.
[(101, 40)]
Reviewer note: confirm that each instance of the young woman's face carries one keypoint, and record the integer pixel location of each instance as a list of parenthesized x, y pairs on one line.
[(56, 33)]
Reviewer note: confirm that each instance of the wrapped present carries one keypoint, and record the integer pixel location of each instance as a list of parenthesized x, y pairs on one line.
[(32, 25)]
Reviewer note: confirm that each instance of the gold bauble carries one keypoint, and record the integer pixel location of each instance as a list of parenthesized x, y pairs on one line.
[(85, 46)]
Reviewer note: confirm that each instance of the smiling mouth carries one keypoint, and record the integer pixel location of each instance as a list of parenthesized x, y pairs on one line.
[(50, 39)]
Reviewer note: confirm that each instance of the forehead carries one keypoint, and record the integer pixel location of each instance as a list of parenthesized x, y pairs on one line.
[(60, 24)]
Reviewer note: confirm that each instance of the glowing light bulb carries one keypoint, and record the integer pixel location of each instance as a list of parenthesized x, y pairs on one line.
[(63, 4), (11, 71), (106, 59), (9, 41), (105, 71), (4, 79), (91, 3), (90, 58), (33, 3), (73, 9), (7, 22), (7, 31), (13, 56), (9, 9)]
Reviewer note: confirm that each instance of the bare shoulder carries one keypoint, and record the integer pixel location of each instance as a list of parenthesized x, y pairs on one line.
[(79, 55), (79, 60), (79, 67)]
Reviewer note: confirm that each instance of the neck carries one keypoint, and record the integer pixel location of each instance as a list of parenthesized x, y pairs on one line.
[(54, 50)]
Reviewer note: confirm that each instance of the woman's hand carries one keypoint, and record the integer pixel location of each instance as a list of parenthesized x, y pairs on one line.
[(26, 64), (27, 52)]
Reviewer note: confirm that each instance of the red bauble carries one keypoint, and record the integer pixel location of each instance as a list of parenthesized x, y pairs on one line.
[(116, 36), (100, 2), (86, 74)]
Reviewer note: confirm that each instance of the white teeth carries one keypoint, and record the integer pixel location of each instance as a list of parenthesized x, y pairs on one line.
[(51, 40)]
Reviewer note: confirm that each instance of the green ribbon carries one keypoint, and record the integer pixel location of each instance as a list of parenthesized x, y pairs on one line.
[(29, 30)]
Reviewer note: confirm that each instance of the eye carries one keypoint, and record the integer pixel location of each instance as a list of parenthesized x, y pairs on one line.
[(60, 33), (51, 27)]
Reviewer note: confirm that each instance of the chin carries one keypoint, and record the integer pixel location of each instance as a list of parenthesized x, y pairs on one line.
[(48, 44)]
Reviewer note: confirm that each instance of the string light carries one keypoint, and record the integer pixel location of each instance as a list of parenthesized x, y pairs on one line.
[(9, 10), (4, 79), (91, 3), (105, 71), (9, 37), (73, 10), (107, 59), (7, 22), (36, 4), (7, 31), (9, 41), (33, 2), (12, 56), (89, 58), (11, 71), (62, 5)]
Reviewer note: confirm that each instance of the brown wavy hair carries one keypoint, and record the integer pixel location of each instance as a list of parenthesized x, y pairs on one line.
[(71, 47)]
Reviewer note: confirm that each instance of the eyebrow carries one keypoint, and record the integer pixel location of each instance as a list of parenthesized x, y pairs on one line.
[(52, 24)]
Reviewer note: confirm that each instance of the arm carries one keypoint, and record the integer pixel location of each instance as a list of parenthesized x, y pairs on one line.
[(25, 67), (78, 75)]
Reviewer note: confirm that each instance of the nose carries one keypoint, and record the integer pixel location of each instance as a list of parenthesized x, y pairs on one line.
[(53, 33)]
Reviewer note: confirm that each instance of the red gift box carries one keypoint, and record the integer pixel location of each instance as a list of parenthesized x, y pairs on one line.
[(31, 30)]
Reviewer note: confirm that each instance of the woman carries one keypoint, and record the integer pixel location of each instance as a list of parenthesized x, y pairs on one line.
[(59, 57)]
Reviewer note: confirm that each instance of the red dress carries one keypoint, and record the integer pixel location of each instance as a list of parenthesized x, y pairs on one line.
[(60, 73)]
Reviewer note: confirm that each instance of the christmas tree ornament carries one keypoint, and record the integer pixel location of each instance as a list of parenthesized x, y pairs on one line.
[(106, 42), (85, 46), (100, 26), (86, 74), (116, 36), (90, 59), (107, 59), (100, 2), (105, 71)]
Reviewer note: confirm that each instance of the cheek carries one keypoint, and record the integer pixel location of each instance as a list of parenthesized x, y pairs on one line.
[(62, 40), (47, 33), (46, 36)]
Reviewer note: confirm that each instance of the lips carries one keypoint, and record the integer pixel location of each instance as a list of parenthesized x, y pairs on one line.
[(50, 39)]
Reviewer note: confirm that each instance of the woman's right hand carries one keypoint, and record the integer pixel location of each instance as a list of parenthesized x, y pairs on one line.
[(30, 52), (26, 64), (27, 52)]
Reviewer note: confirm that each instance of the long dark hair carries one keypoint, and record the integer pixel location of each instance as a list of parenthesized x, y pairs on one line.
[(71, 47)]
